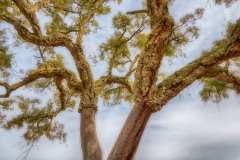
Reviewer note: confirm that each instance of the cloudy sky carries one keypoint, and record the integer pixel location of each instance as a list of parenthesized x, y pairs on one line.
[(185, 129)]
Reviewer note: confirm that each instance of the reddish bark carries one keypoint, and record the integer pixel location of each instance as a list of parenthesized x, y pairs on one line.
[(131, 133)]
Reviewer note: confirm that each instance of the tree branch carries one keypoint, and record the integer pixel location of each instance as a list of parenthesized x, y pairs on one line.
[(54, 40), (42, 51), (58, 82), (182, 78), (31, 17), (85, 20), (104, 80), (70, 77), (137, 11), (155, 47), (131, 69)]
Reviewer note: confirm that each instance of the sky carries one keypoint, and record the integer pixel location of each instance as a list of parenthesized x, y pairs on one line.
[(185, 129)]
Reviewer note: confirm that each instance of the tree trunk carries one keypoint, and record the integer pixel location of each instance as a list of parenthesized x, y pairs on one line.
[(91, 148), (127, 142)]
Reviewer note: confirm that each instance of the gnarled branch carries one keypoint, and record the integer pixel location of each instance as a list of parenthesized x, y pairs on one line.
[(70, 77), (104, 80), (54, 40), (156, 45)]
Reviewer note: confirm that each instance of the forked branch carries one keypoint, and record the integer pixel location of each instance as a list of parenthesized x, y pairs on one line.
[(201, 67), (30, 16)]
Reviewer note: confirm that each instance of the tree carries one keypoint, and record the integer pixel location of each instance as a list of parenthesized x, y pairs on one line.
[(151, 32)]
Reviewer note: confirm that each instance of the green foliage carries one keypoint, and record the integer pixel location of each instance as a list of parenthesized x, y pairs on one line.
[(58, 12), (114, 94), (44, 85), (214, 90), (141, 40), (41, 84), (230, 36), (121, 21), (39, 121), (5, 57), (2, 117), (5, 60), (52, 59), (226, 2), (116, 49), (220, 46), (56, 61), (184, 32), (191, 18), (4, 7), (69, 99), (5, 105), (60, 5), (57, 25), (67, 16)]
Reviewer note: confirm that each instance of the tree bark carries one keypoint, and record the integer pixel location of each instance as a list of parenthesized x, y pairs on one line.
[(91, 148), (128, 140)]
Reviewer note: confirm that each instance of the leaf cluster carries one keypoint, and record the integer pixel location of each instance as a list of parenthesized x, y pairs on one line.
[(116, 50), (5, 57), (5, 105), (50, 58), (39, 121), (114, 94), (184, 32), (227, 3), (68, 16), (4, 8), (214, 90)]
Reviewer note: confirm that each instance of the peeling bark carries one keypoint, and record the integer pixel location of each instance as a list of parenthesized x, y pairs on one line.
[(156, 45)]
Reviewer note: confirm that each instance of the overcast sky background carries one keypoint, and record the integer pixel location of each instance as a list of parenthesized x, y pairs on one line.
[(185, 129)]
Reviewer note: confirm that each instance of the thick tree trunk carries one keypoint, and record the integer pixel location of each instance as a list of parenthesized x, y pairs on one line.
[(127, 143), (91, 148)]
